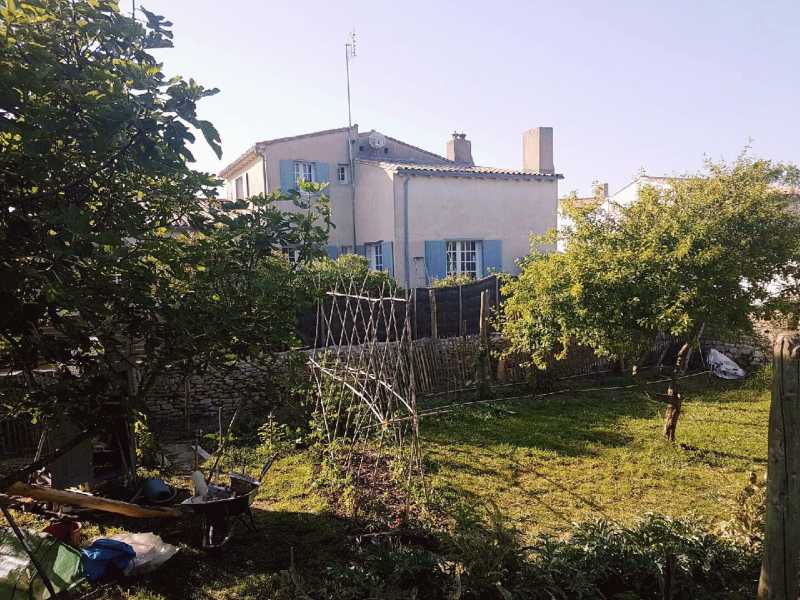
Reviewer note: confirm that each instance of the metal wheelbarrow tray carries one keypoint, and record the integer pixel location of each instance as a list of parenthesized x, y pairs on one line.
[(216, 514)]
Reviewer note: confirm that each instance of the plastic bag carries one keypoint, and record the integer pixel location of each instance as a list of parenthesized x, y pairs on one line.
[(724, 367), (151, 551)]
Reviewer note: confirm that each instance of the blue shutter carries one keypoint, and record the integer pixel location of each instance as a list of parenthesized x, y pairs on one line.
[(333, 252), (287, 176), (361, 250), (388, 257), (492, 256), (435, 259), (321, 172)]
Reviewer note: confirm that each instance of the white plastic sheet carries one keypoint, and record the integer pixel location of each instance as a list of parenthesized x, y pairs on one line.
[(151, 551), (723, 366)]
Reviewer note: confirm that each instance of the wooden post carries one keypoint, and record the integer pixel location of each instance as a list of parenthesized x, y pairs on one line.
[(779, 569), (483, 352), (434, 315), (462, 330)]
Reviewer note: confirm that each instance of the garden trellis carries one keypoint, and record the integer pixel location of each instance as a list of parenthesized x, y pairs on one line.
[(362, 372)]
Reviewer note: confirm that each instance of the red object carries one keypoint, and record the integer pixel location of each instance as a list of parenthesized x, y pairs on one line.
[(68, 532)]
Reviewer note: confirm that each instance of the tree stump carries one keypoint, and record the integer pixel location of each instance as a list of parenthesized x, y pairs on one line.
[(781, 563)]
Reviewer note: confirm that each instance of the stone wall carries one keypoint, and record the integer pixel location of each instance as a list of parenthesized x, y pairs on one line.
[(216, 394)]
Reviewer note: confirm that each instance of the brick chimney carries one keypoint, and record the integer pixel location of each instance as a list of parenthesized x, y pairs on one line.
[(537, 150), (459, 149)]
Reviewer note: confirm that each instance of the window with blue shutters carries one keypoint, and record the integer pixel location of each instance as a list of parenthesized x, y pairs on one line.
[(435, 259), (464, 257), (492, 256)]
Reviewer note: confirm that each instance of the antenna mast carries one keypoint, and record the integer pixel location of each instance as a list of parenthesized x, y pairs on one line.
[(350, 52)]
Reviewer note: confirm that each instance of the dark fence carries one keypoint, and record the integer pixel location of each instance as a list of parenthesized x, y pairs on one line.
[(457, 312)]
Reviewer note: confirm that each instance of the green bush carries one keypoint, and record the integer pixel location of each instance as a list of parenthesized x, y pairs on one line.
[(323, 274), (452, 281)]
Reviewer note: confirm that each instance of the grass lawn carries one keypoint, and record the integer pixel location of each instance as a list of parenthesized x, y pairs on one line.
[(550, 462), (544, 463)]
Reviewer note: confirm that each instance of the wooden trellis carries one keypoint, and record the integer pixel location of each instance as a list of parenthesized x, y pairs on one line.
[(363, 377)]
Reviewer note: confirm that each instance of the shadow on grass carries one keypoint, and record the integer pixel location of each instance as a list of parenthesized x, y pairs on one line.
[(572, 426), (313, 541)]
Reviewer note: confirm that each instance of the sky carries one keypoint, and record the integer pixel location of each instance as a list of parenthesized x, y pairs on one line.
[(628, 86)]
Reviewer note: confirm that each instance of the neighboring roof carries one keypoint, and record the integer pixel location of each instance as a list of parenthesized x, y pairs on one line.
[(581, 202), (249, 154), (649, 179), (454, 170)]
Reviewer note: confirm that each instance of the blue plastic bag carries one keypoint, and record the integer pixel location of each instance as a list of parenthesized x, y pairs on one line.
[(104, 553)]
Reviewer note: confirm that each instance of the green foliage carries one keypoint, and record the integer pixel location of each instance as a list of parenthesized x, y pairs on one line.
[(748, 524), (452, 281), (113, 249), (703, 250), (323, 274)]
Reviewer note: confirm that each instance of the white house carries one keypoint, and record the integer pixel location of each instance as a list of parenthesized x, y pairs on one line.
[(413, 213)]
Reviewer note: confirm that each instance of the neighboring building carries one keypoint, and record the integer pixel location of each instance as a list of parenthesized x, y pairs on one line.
[(418, 215), (565, 222)]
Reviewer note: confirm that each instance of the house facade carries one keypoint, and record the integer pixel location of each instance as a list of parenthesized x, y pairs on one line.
[(416, 214)]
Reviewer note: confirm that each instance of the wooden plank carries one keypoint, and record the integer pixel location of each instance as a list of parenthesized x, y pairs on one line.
[(39, 492)]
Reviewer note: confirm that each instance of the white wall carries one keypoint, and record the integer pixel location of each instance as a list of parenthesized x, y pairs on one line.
[(254, 170), (375, 211), (441, 208)]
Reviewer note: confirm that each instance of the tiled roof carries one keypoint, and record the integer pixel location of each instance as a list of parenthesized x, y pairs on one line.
[(302, 135), (455, 170), (252, 151), (365, 134), (580, 202)]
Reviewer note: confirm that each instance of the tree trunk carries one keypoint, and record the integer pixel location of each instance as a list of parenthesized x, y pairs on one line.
[(781, 563), (674, 398)]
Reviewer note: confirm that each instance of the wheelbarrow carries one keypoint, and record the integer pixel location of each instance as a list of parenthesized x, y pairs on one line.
[(219, 515)]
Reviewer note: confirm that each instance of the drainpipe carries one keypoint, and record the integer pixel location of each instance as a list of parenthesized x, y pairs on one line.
[(260, 151), (407, 258), (352, 180)]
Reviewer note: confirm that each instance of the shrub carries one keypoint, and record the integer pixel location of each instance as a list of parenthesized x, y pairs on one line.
[(323, 274), (452, 281)]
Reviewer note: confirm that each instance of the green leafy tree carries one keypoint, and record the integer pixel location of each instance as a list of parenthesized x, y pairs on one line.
[(700, 253), (113, 249)]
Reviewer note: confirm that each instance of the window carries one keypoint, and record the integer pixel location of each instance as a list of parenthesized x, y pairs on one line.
[(303, 171), (341, 173), (291, 254), (346, 250), (464, 258), (239, 188), (375, 256)]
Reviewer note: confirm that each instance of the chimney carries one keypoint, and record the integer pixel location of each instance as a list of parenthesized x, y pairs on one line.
[(459, 149), (599, 190), (537, 150)]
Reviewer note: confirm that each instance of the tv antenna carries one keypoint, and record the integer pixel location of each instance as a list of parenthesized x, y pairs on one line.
[(349, 52)]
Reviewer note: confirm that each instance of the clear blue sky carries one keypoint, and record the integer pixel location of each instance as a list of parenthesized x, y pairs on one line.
[(626, 85)]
